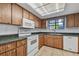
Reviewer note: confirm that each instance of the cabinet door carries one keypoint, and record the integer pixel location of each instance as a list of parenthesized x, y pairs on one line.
[(10, 46), (25, 14), (16, 14), (21, 51), (31, 16), (76, 20), (49, 40), (2, 48), (21, 42), (3, 54), (11, 53), (70, 20), (41, 40), (5, 13), (43, 23), (58, 42), (39, 23)]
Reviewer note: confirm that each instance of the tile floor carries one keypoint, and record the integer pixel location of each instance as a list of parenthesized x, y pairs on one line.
[(47, 51)]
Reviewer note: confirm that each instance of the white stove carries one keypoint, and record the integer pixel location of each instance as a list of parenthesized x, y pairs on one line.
[(32, 45)]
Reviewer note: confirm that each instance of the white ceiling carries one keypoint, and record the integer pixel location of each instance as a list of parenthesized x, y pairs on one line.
[(47, 8), (69, 9)]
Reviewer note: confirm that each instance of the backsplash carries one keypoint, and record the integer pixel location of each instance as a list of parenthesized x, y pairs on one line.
[(6, 29)]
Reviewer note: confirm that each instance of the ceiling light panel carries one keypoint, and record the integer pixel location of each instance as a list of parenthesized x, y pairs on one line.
[(40, 10), (50, 7), (47, 8)]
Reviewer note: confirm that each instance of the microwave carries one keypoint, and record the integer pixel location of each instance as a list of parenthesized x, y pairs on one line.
[(28, 23)]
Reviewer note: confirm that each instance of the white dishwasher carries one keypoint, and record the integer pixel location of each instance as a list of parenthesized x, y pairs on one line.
[(70, 43)]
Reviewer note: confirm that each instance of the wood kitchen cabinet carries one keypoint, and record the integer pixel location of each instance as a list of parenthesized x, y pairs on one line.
[(31, 16), (3, 54), (70, 21), (77, 20), (11, 53), (41, 40), (5, 13), (21, 51), (2, 48), (21, 42), (48, 40), (22, 47), (58, 41), (26, 14), (43, 23), (10, 46), (16, 14), (55, 41), (16, 48), (37, 22)]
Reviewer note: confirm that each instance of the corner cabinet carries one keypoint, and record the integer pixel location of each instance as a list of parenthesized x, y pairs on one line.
[(16, 14), (5, 13)]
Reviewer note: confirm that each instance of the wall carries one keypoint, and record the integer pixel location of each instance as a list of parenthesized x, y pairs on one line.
[(8, 29)]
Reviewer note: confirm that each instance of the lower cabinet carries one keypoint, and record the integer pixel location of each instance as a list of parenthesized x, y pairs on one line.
[(21, 51), (48, 40), (2, 48), (58, 41), (11, 53), (14, 49), (3, 54), (55, 41), (41, 40)]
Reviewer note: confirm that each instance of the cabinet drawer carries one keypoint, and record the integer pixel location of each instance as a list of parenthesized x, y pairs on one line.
[(2, 48), (11, 53), (10, 46), (21, 42)]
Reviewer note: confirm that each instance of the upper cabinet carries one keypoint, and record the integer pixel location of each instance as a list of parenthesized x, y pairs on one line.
[(37, 22), (5, 13), (25, 14), (13, 14), (77, 20), (70, 20), (73, 20), (43, 23), (31, 16), (16, 14)]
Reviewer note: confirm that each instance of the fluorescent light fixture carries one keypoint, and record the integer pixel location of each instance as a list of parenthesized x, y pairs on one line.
[(47, 8)]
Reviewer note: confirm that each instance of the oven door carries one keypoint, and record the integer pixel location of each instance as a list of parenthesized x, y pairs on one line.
[(32, 43)]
